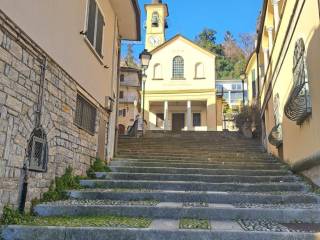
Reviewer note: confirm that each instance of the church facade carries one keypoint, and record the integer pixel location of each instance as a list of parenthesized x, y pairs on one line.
[(180, 86)]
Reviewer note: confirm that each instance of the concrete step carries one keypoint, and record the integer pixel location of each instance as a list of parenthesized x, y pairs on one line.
[(177, 164), (195, 186), (198, 157), (218, 170), (305, 213), (182, 196), (219, 230), (201, 178), (250, 162)]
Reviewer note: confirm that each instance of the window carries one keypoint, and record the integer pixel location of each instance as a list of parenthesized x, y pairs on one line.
[(199, 71), (95, 25), (121, 94), (254, 87), (85, 114), (122, 113), (160, 120), (197, 119), (122, 78), (157, 71), (178, 68)]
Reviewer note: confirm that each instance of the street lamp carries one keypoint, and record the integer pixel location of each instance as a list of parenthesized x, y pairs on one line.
[(145, 58), (243, 77)]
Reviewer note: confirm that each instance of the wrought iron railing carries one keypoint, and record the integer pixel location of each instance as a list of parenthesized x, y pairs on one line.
[(275, 136), (133, 130), (298, 107)]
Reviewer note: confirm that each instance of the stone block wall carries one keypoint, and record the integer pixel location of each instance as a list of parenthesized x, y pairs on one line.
[(68, 145)]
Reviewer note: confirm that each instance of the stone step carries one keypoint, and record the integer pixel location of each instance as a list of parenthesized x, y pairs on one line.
[(305, 213), (195, 186), (226, 230), (201, 178), (218, 170), (182, 196), (215, 160), (197, 157), (177, 164)]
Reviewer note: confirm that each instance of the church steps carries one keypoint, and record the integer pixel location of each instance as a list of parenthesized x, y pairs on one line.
[(200, 178), (85, 233), (216, 165), (222, 170), (207, 197), (284, 214), (195, 186)]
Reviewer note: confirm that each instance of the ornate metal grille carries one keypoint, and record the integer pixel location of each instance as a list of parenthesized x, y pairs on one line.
[(178, 68), (298, 106), (85, 115), (37, 151), (275, 136)]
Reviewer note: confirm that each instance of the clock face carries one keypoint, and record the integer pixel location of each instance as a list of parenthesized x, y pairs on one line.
[(154, 40)]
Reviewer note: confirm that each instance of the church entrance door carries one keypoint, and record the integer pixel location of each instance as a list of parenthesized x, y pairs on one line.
[(178, 122)]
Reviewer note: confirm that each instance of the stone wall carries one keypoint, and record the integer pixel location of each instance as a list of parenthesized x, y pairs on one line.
[(68, 145)]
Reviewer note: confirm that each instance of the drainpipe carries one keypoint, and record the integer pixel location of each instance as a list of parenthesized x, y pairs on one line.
[(25, 170)]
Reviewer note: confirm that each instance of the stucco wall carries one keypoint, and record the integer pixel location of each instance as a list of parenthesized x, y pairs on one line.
[(56, 26)]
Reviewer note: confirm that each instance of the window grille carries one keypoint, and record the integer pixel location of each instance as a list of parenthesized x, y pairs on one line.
[(37, 151), (298, 106), (85, 115), (178, 68)]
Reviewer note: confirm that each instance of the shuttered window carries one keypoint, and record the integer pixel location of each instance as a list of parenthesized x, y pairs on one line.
[(85, 114), (95, 25)]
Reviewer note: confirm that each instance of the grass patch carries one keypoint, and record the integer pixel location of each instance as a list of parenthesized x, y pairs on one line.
[(58, 188), (195, 224), (86, 221), (97, 166), (13, 217)]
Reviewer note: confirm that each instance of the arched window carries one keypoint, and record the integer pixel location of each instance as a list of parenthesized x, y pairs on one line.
[(157, 71), (199, 71), (178, 68), (298, 106)]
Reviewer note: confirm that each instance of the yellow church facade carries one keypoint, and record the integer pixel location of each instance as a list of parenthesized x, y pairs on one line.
[(285, 73), (180, 86)]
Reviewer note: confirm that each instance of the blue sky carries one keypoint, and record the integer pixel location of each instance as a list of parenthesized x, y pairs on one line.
[(189, 17)]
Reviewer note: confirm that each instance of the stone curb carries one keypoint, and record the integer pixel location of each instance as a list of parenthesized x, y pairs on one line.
[(62, 233)]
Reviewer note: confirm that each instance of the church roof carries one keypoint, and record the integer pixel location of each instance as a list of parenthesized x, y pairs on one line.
[(179, 36)]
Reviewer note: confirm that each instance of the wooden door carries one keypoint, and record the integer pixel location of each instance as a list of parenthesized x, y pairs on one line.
[(178, 121)]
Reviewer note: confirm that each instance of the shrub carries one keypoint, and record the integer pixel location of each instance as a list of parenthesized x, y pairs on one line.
[(12, 216), (249, 116), (97, 166)]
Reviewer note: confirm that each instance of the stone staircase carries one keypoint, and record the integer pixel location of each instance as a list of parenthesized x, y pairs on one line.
[(220, 178)]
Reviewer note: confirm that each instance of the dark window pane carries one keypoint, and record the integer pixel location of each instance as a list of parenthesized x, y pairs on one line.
[(160, 120), (196, 119), (91, 21), (99, 36)]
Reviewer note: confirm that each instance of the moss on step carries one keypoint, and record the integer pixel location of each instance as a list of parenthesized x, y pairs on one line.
[(194, 224), (97, 166)]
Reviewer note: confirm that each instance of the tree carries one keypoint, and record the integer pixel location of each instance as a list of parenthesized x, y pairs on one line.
[(129, 58), (207, 40), (247, 43)]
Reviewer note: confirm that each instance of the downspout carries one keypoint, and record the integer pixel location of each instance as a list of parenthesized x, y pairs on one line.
[(115, 148)]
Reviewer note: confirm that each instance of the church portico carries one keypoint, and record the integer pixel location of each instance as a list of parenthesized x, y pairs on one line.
[(172, 114)]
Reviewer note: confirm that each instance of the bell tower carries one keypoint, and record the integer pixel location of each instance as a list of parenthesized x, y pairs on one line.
[(156, 24)]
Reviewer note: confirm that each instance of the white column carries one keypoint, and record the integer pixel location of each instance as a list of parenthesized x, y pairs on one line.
[(189, 116), (276, 13), (266, 59), (166, 115), (270, 37), (135, 109)]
